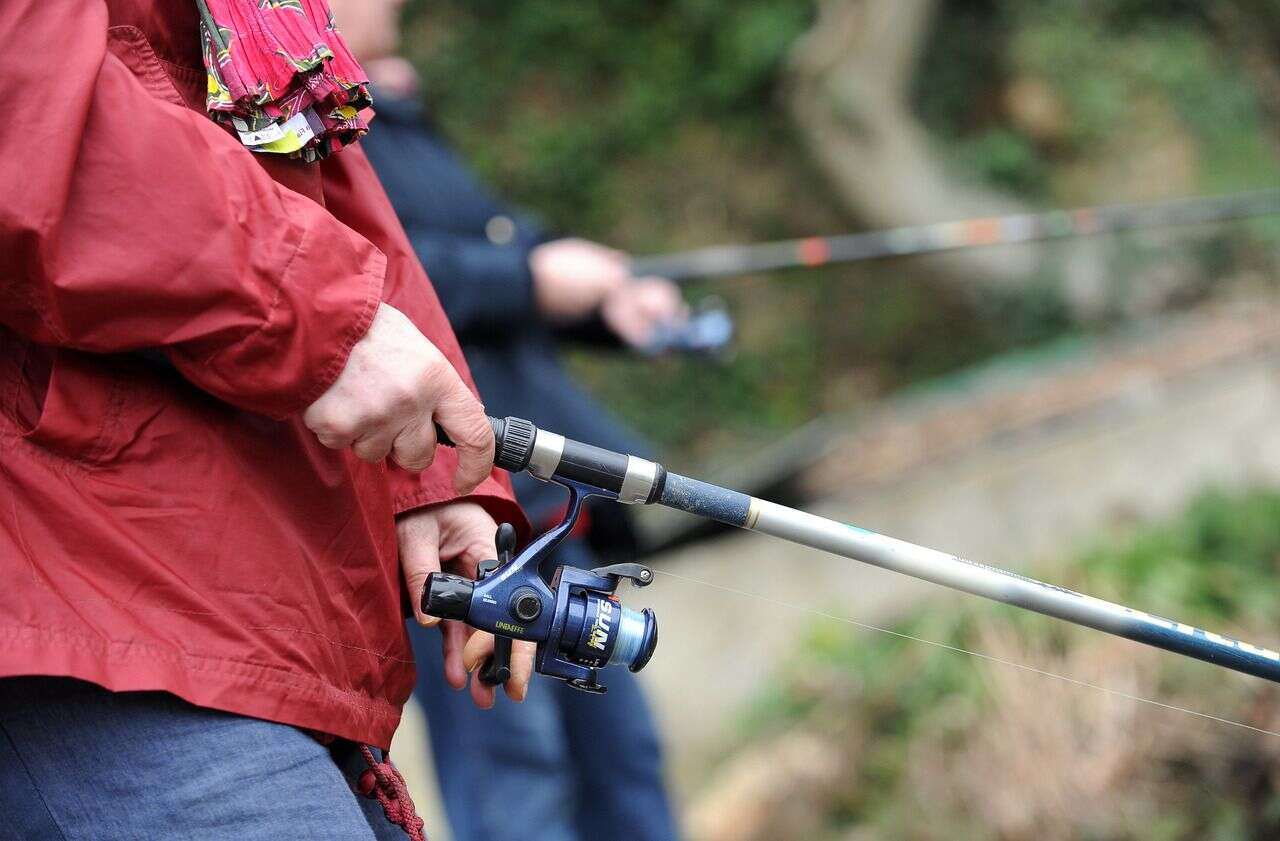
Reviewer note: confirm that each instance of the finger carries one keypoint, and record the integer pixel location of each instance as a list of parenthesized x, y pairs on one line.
[(419, 539), (522, 655), (373, 449), (453, 639), (333, 432), (480, 547), (317, 417), (478, 649), (462, 417), (662, 300), (670, 309), (415, 447), (335, 442), (630, 326), (482, 694)]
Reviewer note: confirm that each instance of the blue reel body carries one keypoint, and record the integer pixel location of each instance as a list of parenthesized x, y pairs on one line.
[(576, 619)]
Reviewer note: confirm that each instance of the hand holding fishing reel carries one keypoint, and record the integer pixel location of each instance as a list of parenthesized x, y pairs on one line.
[(577, 620)]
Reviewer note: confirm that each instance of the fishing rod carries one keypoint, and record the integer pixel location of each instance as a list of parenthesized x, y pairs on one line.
[(580, 625), (810, 252)]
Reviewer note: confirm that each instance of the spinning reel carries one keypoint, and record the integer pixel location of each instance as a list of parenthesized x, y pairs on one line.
[(576, 619)]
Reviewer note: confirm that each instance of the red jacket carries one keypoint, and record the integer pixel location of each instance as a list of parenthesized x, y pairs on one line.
[(187, 533)]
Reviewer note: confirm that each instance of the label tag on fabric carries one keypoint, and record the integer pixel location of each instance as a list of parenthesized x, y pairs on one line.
[(270, 134), (295, 133)]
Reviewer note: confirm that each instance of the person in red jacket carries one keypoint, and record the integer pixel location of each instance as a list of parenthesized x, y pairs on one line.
[(219, 488)]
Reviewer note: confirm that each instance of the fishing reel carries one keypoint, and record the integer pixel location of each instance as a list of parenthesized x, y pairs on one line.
[(576, 619), (708, 331)]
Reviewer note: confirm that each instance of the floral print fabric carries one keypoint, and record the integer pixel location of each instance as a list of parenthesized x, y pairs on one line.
[(281, 76)]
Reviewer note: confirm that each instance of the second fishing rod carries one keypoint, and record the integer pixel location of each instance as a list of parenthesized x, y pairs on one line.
[(812, 252), (580, 624)]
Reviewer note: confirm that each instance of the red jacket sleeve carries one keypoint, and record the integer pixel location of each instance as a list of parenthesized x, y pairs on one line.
[(354, 193), (132, 221)]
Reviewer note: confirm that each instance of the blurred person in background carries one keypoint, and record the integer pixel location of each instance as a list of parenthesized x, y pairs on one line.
[(565, 765)]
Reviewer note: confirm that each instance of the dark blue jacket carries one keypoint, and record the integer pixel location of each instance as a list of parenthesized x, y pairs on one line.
[(476, 252)]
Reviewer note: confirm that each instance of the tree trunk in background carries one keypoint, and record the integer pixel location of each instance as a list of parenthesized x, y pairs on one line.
[(849, 92)]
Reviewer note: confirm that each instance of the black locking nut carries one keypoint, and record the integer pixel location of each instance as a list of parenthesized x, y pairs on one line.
[(525, 604)]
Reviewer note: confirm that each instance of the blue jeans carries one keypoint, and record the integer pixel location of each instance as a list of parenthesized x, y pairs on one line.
[(562, 766), (79, 763)]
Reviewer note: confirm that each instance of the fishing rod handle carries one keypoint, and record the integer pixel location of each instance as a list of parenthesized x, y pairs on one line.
[(513, 444), (521, 446)]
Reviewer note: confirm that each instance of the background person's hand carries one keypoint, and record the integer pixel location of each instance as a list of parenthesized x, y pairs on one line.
[(455, 537), (396, 383), (572, 277), (633, 311)]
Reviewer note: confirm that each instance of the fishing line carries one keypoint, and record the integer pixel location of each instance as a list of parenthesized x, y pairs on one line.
[(959, 650)]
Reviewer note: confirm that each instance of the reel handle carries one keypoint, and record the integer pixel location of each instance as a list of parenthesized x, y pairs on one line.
[(497, 669)]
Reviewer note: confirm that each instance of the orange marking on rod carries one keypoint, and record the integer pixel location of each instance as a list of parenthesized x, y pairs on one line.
[(813, 251), (982, 232), (1086, 221)]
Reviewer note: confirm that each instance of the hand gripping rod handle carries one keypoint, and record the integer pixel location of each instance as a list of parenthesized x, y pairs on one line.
[(521, 446)]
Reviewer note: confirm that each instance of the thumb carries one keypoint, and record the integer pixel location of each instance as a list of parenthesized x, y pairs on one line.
[(462, 417)]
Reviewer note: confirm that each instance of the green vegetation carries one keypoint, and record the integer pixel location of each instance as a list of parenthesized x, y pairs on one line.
[(554, 100), (985, 750), (1069, 88), (658, 125)]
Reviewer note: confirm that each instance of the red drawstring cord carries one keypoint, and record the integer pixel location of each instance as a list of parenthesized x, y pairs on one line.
[(383, 780)]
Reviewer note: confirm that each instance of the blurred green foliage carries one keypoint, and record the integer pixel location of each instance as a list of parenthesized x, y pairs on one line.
[(549, 98), (1215, 566), (658, 125), (1120, 77)]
